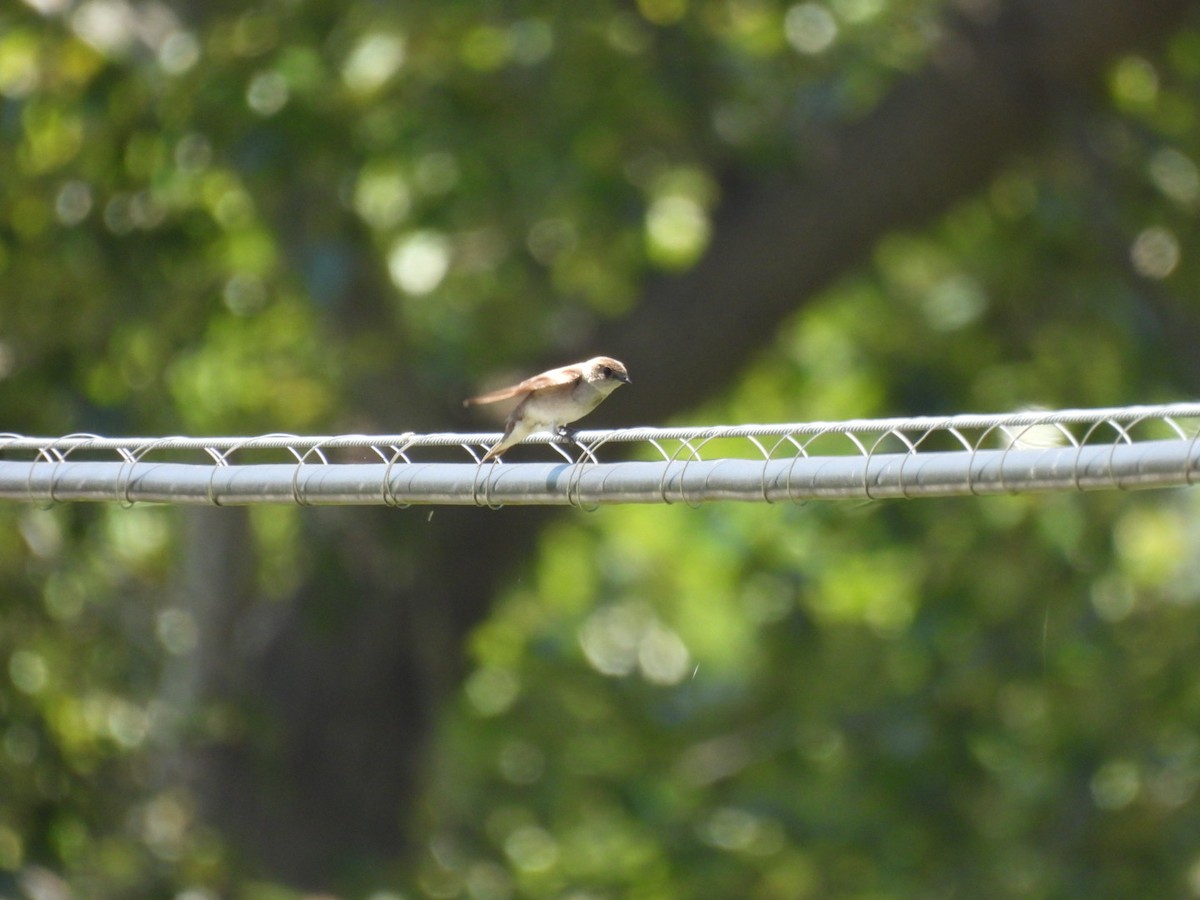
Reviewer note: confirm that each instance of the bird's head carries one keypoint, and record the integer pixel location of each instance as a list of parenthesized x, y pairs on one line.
[(606, 372)]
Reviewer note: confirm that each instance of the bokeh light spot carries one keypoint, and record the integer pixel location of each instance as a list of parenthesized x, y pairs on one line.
[(28, 671), (373, 62), (810, 28), (1155, 253), (1115, 784), (418, 262), (268, 93)]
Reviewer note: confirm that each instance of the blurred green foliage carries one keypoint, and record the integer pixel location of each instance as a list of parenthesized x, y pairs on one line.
[(234, 218)]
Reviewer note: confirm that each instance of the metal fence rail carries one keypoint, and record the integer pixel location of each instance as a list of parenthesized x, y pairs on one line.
[(1062, 450)]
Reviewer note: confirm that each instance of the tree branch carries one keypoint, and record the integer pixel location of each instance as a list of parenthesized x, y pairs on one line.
[(941, 134)]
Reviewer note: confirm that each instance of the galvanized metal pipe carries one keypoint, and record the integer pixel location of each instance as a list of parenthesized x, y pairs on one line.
[(1122, 465)]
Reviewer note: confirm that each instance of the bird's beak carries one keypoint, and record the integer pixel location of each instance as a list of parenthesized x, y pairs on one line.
[(624, 378)]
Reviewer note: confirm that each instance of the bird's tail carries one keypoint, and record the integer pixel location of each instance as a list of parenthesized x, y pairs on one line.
[(514, 433)]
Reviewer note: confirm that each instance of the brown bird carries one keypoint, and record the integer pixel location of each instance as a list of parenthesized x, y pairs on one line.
[(553, 399)]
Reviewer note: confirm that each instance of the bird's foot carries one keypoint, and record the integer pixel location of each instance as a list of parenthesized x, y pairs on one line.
[(568, 437)]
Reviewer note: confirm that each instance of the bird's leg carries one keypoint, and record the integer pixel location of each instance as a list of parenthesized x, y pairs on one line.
[(567, 437)]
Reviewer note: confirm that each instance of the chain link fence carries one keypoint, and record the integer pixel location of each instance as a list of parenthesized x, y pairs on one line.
[(1036, 450)]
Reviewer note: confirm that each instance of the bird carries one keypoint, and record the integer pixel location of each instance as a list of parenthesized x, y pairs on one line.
[(552, 400)]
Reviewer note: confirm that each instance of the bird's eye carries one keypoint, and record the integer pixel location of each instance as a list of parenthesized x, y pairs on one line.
[(607, 371)]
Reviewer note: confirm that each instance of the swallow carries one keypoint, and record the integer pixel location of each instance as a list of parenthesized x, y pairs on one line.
[(554, 399)]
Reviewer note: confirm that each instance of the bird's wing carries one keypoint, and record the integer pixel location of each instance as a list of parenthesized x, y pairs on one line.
[(553, 378)]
